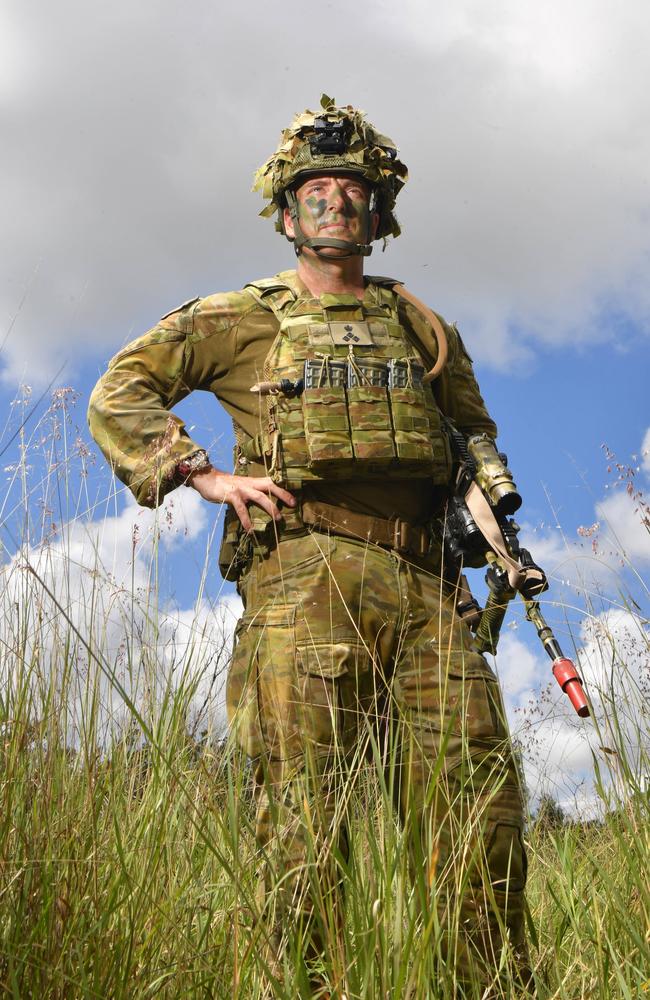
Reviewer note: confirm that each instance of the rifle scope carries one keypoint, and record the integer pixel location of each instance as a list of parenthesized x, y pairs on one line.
[(493, 475)]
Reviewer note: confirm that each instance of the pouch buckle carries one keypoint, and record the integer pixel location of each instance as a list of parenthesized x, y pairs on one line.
[(408, 538)]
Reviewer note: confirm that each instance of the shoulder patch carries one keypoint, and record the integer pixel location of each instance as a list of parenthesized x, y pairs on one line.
[(185, 305)]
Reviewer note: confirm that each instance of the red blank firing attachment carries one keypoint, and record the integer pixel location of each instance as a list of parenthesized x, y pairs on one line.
[(567, 677)]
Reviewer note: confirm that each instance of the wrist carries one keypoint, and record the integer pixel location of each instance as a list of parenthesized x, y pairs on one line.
[(188, 467), (199, 476)]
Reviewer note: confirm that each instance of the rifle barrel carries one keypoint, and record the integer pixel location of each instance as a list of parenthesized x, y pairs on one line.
[(563, 668)]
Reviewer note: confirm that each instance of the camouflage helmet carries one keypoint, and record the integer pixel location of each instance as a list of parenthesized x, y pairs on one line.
[(332, 140)]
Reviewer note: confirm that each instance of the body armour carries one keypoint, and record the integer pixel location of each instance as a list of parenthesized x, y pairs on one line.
[(344, 393)]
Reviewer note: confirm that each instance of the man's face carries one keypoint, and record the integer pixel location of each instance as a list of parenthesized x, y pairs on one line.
[(337, 206)]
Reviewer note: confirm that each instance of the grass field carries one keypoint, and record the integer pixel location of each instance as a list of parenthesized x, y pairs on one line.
[(128, 867)]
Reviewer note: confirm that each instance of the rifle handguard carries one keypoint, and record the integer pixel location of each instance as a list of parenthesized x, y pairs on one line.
[(489, 626), (499, 597)]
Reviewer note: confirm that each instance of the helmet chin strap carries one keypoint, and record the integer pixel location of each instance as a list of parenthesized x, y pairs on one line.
[(320, 243)]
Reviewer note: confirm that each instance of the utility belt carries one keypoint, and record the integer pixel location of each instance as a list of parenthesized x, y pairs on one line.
[(238, 548), (393, 533)]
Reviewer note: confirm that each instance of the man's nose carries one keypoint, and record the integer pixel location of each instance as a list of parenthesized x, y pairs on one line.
[(336, 201)]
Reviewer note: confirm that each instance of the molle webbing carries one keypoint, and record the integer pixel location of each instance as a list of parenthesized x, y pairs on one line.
[(362, 411), (274, 294)]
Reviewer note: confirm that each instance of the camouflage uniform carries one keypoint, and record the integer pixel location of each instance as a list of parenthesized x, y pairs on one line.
[(338, 632), (341, 640)]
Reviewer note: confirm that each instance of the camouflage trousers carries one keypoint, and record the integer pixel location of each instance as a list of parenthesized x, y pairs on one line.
[(340, 643)]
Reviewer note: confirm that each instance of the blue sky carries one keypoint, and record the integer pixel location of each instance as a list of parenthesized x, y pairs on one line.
[(126, 188)]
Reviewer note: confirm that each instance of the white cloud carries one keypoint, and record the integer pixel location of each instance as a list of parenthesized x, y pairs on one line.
[(525, 215), (535, 154), (575, 567), (645, 453), (624, 532), (555, 755), (95, 582), (518, 669), (14, 58), (561, 751), (618, 538), (613, 654)]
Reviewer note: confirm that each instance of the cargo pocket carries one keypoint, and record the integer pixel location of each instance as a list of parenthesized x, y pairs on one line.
[(263, 660), (480, 735), (473, 699), (506, 857), (372, 438), (460, 699), (332, 677), (327, 430), (456, 707)]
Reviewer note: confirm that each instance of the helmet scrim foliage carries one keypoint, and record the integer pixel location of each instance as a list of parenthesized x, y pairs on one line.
[(334, 140)]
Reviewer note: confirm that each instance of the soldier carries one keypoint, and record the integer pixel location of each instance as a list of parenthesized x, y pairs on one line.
[(333, 534)]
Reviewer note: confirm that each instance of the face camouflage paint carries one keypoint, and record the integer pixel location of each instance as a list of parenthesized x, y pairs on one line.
[(316, 206), (327, 203)]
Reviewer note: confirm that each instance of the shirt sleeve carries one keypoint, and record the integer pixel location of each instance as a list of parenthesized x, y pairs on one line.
[(457, 391), (129, 412)]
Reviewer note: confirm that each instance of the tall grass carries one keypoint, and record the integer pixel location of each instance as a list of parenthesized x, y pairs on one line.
[(128, 864)]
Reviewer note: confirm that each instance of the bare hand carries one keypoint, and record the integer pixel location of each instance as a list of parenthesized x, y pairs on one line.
[(239, 491)]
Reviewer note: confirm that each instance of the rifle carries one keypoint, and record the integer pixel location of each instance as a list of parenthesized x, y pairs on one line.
[(479, 529)]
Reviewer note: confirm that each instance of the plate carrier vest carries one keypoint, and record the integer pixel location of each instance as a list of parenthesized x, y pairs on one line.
[(363, 413)]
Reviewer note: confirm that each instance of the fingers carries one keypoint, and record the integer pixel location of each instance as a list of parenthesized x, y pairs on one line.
[(263, 501), (258, 492), (283, 495), (240, 491), (239, 497), (241, 510), (266, 485)]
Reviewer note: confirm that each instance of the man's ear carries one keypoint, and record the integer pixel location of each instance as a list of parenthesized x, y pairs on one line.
[(374, 223), (288, 222)]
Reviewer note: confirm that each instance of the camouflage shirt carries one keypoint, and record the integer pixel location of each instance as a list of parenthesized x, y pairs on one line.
[(219, 344)]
